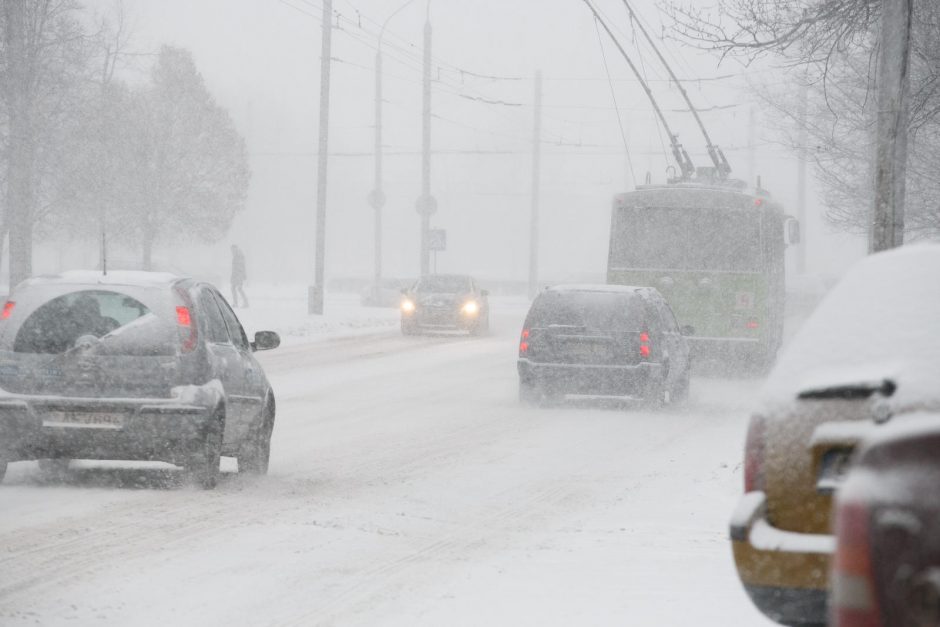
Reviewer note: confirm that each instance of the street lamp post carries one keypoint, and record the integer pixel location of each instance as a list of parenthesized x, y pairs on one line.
[(426, 204), (377, 196)]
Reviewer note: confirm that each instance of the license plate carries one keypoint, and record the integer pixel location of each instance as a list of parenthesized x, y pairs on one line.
[(93, 420)]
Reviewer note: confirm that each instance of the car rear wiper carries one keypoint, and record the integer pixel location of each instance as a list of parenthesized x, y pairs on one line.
[(851, 391)]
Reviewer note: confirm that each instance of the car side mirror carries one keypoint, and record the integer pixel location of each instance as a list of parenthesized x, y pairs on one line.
[(792, 231), (265, 340), (687, 329)]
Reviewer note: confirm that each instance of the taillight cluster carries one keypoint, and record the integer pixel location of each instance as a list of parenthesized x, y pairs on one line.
[(7, 310), (853, 595), (754, 455), (644, 345), (189, 336), (524, 342)]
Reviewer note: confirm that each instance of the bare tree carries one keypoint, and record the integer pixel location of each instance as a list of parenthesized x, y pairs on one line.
[(831, 47)]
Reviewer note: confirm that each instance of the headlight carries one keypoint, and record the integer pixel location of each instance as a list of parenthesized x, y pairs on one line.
[(471, 308), (407, 306)]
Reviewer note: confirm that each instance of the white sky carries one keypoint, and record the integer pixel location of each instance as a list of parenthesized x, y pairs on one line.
[(260, 58)]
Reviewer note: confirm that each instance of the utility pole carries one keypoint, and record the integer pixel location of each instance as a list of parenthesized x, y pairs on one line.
[(315, 292), (887, 226), (801, 182), (751, 146), (19, 194), (377, 196), (536, 185), (426, 205)]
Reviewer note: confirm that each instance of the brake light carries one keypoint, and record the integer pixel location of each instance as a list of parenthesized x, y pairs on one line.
[(853, 594), (188, 333), (7, 309), (753, 324), (645, 345), (183, 317), (524, 342), (754, 454)]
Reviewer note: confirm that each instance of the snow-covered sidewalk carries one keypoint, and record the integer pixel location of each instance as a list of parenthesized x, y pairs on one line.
[(283, 308)]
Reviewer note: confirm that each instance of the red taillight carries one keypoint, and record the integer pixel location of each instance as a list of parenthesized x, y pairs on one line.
[(189, 335), (853, 596), (753, 324), (7, 309), (754, 455), (645, 345), (183, 317), (524, 343)]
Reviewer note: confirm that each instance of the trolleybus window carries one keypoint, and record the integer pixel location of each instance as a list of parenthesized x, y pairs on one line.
[(686, 239)]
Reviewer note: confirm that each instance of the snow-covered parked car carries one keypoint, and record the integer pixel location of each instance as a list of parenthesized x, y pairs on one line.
[(871, 349), (131, 366), (602, 340), (886, 568)]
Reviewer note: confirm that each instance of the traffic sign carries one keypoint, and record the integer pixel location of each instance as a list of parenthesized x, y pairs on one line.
[(426, 205), (437, 240)]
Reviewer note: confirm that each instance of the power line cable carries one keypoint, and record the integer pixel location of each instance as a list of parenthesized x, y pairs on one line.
[(613, 95)]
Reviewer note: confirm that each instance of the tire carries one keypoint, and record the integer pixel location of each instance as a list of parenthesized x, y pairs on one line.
[(255, 455), (203, 466), (681, 392), (3, 469), (482, 327), (54, 469), (529, 393)]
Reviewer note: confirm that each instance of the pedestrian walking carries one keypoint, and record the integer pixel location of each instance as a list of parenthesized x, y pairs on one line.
[(239, 276)]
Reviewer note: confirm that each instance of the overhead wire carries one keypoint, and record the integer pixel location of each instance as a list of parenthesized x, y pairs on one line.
[(613, 95)]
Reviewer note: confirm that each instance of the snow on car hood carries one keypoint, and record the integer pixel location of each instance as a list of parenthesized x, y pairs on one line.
[(882, 320)]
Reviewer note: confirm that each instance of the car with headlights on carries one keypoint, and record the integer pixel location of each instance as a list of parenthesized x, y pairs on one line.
[(886, 569), (602, 340), (131, 366), (443, 302), (870, 350)]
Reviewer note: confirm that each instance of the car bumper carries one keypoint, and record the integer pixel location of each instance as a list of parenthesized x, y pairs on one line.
[(637, 381), (785, 573), (443, 320), (164, 429)]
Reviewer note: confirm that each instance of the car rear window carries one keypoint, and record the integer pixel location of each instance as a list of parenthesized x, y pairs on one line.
[(603, 311), (123, 323)]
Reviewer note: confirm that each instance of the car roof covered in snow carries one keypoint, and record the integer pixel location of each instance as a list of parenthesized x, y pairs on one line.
[(600, 287), (879, 322), (94, 277)]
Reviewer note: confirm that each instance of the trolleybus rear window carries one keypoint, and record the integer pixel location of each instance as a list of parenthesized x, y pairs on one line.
[(686, 239)]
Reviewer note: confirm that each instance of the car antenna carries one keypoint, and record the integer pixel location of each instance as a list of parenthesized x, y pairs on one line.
[(104, 251), (678, 152), (722, 167)]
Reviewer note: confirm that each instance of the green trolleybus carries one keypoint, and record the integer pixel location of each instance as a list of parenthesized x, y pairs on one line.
[(716, 253)]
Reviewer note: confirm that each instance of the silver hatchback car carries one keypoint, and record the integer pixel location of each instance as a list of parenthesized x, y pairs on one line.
[(131, 366)]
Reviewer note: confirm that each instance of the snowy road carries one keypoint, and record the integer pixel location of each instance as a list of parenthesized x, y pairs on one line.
[(407, 486)]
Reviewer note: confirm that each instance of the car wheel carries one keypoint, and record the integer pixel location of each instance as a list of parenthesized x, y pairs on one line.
[(54, 469), (682, 390), (529, 393), (3, 469), (203, 467), (254, 457)]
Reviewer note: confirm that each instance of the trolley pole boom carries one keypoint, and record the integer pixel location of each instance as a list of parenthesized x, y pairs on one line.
[(678, 152), (714, 152)]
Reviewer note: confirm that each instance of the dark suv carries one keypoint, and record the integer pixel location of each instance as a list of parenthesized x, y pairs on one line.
[(135, 366), (602, 340)]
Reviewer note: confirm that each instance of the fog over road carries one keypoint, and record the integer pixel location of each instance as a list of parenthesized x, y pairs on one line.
[(407, 486)]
